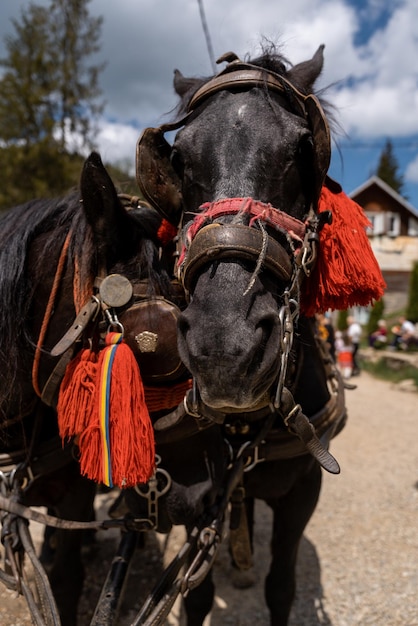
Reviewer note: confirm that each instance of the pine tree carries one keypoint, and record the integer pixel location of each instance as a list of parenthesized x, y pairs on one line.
[(48, 90), (49, 95), (388, 168), (75, 37), (25, 113)]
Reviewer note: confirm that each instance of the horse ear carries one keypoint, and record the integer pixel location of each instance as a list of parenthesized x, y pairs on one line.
[(303, 75), (102, 207), (155, 175), (182, 84)]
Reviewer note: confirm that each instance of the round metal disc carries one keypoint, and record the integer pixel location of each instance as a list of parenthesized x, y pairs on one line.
[(115, 290)]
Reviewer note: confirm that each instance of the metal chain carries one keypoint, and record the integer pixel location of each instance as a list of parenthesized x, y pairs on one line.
[(288, 313)]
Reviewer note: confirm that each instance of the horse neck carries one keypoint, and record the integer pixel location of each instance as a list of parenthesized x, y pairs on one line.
[(311, 390)]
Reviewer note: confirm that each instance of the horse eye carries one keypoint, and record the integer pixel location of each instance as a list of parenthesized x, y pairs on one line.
[(305, 147)]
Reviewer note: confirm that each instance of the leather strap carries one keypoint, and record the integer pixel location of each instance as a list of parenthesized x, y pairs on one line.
[(49, 392), (219, 241), (240, 75), (86, 314), (239, 535)]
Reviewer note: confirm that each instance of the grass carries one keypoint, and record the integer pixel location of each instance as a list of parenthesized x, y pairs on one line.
[(382, 370)]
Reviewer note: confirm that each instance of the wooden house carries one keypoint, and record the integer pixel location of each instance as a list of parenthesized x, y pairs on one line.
[(393, 237)]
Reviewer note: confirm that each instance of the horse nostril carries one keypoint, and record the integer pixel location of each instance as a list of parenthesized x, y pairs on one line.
[(264, 328)]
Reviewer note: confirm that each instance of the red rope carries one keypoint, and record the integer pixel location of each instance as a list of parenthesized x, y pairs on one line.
[(48, 313), (164, 398), (256, 209)]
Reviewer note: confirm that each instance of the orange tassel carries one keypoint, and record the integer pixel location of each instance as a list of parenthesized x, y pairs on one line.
[(107, 411), (77, 388), (166, 232), (346, 273), (120, 452)]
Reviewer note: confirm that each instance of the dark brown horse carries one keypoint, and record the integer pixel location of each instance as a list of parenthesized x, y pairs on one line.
[(51, 252)]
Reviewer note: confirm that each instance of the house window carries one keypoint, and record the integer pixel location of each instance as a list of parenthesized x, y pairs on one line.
[(377, 222), (413, 227), (393, 224)]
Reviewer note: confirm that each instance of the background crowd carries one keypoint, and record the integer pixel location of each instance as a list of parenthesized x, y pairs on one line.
[(344, 344)]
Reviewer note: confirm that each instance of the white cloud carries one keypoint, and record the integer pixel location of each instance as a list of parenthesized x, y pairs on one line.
[(371, 110), (143, 41), (411, 172), (116, 143)]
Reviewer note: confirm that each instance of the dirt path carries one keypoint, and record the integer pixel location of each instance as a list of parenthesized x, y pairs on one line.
[(358, 559)]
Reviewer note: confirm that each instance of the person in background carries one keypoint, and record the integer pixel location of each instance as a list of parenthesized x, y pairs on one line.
[(331, 335), (354, 334), (379, 338), (403, 333), (326, 332), (344, 354)]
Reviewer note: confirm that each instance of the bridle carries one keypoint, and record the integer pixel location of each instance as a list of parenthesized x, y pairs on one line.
[(155, 174), (211, 237), (207, 239)]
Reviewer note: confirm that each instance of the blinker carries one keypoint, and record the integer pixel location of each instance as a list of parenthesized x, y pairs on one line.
[(115, 290)]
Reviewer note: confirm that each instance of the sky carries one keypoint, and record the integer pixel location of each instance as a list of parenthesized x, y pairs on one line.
[(370, 69)]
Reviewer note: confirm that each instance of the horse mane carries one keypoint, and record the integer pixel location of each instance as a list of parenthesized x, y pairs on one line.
[(48, 222), (19, 228)]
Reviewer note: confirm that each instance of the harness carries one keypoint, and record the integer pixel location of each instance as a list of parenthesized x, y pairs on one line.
[(203, 241)]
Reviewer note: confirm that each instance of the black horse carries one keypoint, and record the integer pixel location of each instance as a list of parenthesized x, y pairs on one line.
[(244, 176), (73, 270), (55, 256)]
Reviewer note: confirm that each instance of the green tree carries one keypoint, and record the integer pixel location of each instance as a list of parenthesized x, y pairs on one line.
[(412, 307), (388, 168), (49, 99), (74, 38), (26, 116), (376, 314), (48, 89)]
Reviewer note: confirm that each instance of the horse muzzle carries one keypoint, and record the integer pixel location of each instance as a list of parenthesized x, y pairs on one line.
[(231, 332)]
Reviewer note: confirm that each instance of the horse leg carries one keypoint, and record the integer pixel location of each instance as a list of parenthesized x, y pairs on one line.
[(66, 572), (242, 571), (198, 602), (291, 514)]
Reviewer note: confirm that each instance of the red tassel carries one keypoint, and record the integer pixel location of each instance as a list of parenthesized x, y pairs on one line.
[(121, 452), (346, 273), (130, 436), (77, 388), (166, 232)]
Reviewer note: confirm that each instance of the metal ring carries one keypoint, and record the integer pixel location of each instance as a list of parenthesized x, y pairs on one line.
[(118, 325)]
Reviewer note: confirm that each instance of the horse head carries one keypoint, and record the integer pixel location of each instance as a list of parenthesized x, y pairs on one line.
[(245, 171)]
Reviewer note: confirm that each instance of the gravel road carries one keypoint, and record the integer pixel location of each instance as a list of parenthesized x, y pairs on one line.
[(358, 559)]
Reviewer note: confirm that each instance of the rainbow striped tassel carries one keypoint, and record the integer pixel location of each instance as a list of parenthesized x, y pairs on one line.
[(113, 340)]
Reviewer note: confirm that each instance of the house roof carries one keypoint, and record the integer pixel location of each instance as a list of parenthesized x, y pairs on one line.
[(375, 180)]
